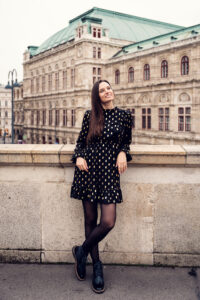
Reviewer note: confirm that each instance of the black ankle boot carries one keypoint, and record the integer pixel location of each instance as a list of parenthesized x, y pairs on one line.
[(97, 280), (80, 262)]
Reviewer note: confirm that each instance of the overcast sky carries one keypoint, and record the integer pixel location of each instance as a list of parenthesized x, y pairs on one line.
[(31, 22)]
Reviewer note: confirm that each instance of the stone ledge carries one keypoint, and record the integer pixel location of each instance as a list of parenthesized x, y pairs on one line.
[(193, 154), (60, 155), (151, 259), (179, 260), (107, 257), (20, 256)]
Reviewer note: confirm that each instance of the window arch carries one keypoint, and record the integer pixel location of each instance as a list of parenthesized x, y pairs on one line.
[(80, 32), (185, 65), (164, 69), (130, 74), (94, 32), (146, 72), (117, 77)]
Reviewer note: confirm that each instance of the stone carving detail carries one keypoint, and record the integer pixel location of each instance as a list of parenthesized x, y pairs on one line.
[(117, 101), (144, 98), (64, 102), (184, 97), (130, 100), (163, 98)]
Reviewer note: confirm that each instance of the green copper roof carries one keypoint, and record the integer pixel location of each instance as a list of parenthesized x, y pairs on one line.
[(160, 40), (32, 49), (120, 26)]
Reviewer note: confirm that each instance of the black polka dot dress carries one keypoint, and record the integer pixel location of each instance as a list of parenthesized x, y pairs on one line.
[(102, 181)]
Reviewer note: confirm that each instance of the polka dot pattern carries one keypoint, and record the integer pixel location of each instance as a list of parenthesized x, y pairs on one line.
[(102, 181)]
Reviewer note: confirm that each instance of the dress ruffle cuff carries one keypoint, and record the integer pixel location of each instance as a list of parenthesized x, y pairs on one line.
[(128, 155), (102, 196), (77, 154)]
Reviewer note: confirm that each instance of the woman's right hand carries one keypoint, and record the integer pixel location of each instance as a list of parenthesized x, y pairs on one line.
[(81, 164)]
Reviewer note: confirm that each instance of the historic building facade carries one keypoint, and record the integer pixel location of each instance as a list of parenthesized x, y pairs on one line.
[(20, 137), (152, 67), (160, 83), (5, 112)]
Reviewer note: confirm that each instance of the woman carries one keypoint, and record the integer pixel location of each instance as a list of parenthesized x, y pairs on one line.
[(101, 155)]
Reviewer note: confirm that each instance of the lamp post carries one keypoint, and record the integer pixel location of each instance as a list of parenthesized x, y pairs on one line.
[(12, 86), (4, 133), (55, 126)]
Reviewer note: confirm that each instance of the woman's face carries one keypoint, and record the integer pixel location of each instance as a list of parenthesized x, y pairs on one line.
[(105, 93)]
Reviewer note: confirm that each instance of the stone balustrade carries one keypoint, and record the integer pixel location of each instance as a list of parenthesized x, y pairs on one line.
[(158, 222)]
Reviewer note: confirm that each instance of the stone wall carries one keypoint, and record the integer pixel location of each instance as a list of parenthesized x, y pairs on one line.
[(157, 223)]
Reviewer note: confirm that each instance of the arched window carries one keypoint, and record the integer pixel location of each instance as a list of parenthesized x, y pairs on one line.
[(164, 69), (146, 72), (64, 79), (80, 32), (117, 77), (184, 65), (73, 117), (131, 74), (94, 32), (56, 81)]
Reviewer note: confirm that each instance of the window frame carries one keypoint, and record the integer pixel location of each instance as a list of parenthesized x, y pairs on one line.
[(130, 75), (164, 69), (146, 72), (184, 115), (146, 118), (184, 65), (164, 125), (117, 76)]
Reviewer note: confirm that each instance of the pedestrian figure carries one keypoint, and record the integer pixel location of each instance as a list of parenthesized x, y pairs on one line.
[(101, 155)]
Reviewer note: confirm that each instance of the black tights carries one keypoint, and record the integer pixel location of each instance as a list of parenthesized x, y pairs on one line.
[(95, 233)]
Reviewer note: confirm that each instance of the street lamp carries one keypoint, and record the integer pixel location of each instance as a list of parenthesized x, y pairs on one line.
[(12, 86), (55, 126)]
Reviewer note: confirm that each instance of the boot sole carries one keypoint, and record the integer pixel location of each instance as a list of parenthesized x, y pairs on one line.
[(97, 291), (75, 265)]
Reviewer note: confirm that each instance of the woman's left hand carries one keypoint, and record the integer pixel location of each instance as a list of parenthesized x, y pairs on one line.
[(121, 162)]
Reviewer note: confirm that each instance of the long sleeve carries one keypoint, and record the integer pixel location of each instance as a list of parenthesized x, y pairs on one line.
[(127, 137), (79, 150)]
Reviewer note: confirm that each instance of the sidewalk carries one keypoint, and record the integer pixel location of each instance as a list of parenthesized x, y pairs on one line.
[(58, 282)]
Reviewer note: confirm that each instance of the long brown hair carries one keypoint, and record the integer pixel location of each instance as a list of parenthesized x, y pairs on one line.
[(96, 124)]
